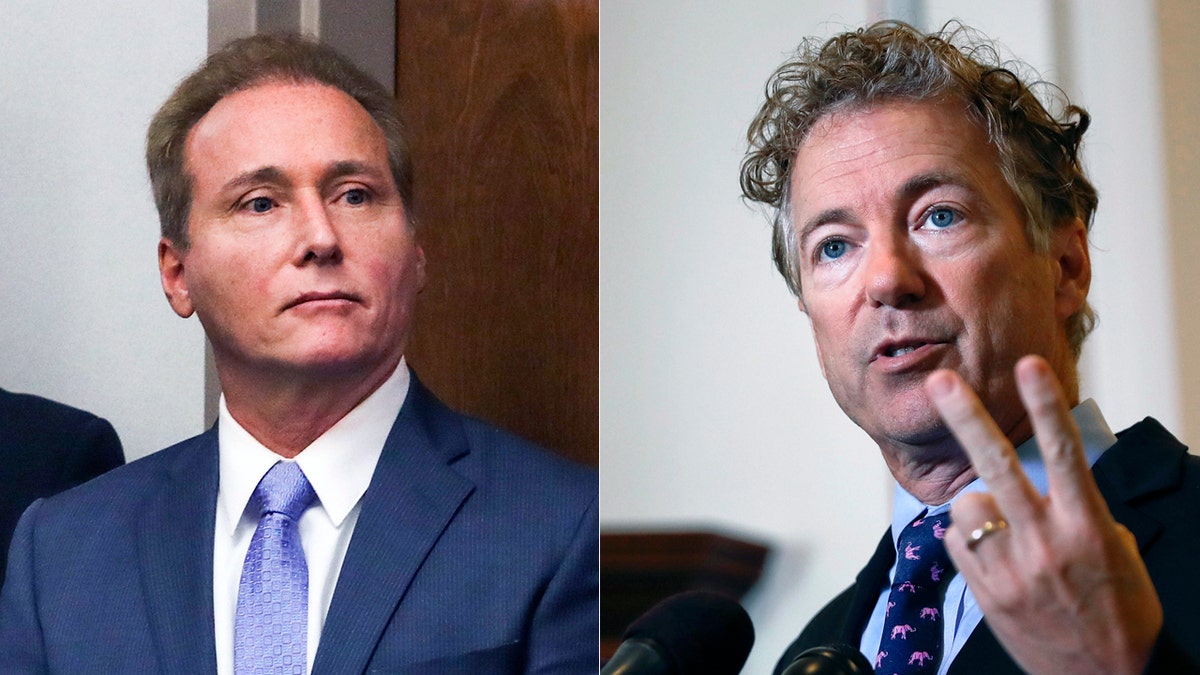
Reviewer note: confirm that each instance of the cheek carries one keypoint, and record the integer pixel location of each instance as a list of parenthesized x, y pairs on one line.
[(228, 283), (832, 335), (1012, 305), (387, 276), (402, 266), (395, 276)]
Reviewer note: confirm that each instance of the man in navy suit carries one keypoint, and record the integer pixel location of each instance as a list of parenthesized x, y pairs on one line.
[(45, 448), (430, 542), (931, 216)]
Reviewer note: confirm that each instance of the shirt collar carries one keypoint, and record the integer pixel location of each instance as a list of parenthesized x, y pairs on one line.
[(338, 464), (1097, 437)]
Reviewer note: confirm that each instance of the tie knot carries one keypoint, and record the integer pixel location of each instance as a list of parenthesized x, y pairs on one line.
[(921, 555), (283, 490)]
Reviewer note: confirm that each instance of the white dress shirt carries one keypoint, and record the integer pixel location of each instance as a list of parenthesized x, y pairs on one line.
[(959, 607), (339, 465)]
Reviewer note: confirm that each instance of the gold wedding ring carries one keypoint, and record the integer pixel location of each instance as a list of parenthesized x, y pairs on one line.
[(983, 532)]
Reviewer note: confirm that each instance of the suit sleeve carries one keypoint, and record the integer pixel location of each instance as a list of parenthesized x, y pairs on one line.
[(565, 634), (99, 449), (22, 649), (1168, 658)]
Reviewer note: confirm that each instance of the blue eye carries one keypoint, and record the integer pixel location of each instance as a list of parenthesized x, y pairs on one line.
[(942, 217), (832, 249), (260, 204), (356, 197)]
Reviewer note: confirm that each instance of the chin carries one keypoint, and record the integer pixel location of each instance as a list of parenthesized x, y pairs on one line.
[(336, 359), (916, 427), (933, 434), (903, 415)]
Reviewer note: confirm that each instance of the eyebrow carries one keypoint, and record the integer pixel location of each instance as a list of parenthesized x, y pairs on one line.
[(275, 176), (921, 183), (266, 174), (352, 168), (826, 216), (909, 190)]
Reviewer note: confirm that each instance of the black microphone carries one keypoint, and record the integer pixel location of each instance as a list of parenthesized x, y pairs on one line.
[(691, 633), (837, 659)]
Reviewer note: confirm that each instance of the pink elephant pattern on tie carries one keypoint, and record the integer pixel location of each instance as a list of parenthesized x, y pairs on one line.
[(912, 628)]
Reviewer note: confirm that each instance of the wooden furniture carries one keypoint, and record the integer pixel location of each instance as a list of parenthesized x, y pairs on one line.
[(639, 569)]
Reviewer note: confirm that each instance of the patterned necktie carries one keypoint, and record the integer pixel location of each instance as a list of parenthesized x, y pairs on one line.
[(271, 626), (912, 625)]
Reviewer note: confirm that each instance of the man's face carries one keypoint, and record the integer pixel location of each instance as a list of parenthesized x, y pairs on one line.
[(300, 256), (914, 257)]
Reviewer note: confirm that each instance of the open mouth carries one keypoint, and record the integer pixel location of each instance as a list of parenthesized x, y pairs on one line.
[(894, 352), (901, 350)]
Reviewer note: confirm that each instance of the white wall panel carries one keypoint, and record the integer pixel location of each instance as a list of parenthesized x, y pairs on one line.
[(82, 316)]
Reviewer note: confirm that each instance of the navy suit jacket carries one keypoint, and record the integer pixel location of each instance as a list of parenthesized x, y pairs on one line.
[(45, 448), (474, 552), (1152, 487)]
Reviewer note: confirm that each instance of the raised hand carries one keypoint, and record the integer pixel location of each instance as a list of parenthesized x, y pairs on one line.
[(1060, 582)]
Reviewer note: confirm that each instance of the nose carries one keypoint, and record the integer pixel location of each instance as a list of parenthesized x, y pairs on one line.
[(894, 274), (316, 233)]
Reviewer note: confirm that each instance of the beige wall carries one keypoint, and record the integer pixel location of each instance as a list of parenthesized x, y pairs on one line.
[(1179, 52)]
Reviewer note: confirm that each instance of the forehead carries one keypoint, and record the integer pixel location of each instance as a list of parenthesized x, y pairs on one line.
[(282, 124), (856, 155)]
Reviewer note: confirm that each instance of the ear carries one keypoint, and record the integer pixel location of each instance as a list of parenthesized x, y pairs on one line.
[(174, 282), (420, 269), (1073, 268)]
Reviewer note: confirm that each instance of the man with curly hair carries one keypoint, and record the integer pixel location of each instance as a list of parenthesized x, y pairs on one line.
[(931, 215)]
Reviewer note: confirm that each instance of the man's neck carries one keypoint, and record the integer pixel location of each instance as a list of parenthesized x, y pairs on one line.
[(934, 481), (286, 414), (935, 472)]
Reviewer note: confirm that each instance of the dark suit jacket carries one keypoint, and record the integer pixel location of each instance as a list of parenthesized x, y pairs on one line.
[(474, 552), (45, 448), (1152, 487)]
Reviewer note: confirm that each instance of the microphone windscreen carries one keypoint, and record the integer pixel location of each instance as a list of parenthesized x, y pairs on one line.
[(700, 632), (836, 659)]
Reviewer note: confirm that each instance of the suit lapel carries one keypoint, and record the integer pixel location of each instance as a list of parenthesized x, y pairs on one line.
[(983, 655), (1146, 459), (867, 585), (412, 498), (175, 552)]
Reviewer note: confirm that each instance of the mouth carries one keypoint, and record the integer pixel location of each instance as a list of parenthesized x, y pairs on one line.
[(894, 349), (901, 350), (321, 296)]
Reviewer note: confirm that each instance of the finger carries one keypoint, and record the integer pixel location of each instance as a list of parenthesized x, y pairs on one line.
[(1057, 434), (970, 512), (990, 452)]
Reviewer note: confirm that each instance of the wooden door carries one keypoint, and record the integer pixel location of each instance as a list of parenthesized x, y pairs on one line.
[(502, 100)]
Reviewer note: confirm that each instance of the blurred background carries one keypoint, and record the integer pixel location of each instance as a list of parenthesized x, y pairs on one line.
[(715, 419)]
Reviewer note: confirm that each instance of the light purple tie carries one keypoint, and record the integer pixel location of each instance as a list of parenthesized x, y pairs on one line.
[(271, 628)]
